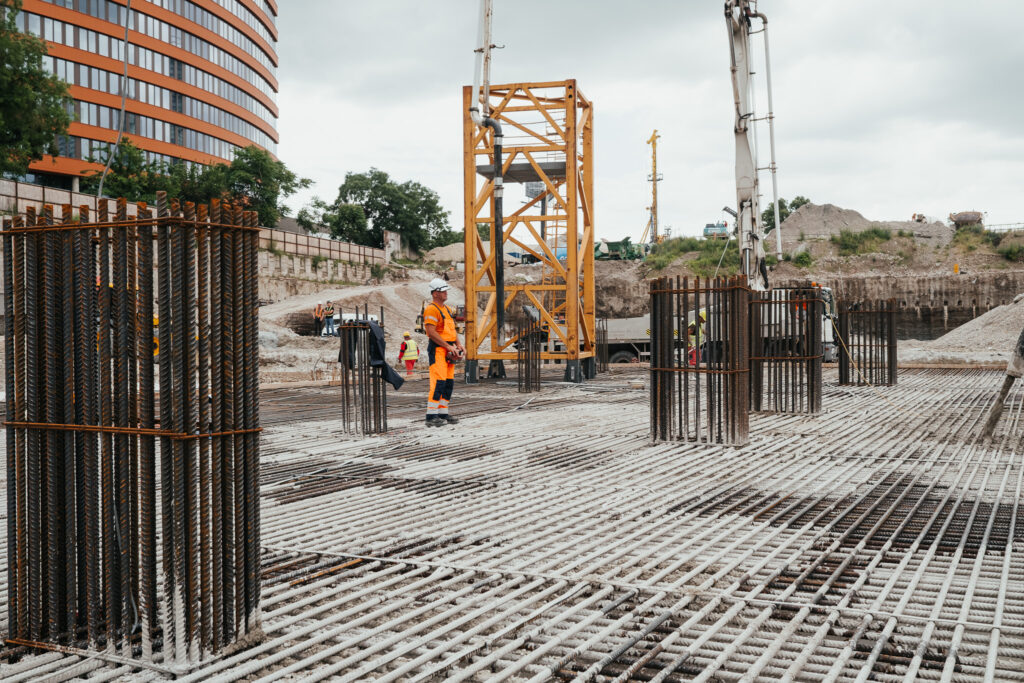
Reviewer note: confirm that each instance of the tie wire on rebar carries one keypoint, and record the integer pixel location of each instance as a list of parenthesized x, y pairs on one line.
[(699, 368), (133, 502), (529, 343), (868, 349), (787, 349), (364, 402)]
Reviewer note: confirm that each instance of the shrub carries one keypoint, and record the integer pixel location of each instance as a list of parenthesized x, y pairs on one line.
[(803, 259), (970, 237), (709, 253), (377, 270), (317, 260), (863, 242), (1013, 252)]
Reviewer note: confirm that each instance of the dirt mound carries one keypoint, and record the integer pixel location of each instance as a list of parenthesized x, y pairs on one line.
[(453, 253), (997, 330), (288, 353), (622, 290), (821, 221)]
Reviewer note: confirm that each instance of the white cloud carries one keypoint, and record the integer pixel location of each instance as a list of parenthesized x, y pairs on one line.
[(885, 108)]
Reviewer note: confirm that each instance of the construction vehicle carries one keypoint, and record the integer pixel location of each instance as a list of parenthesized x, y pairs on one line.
[(459, 317), (622, 250), (740, 16), (964, 218), (716, 231)]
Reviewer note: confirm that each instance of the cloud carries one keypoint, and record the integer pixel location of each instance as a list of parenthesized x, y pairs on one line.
[(885, 108)]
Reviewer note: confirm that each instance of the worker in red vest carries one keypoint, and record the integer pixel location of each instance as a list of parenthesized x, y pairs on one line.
[(408, 352)]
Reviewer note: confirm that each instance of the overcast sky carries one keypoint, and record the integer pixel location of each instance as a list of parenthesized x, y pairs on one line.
[(889, 108)]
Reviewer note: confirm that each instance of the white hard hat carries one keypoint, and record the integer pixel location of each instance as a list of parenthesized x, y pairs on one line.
[(438, 285)]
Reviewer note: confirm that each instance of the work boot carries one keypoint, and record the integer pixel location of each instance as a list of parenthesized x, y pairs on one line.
[(450, 419), (435, 421)]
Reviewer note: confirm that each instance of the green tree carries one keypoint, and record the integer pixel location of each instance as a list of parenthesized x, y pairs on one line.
[(259, 182), (410, 209), (253, 179), (34, 104), (130, 175), (785, 209)]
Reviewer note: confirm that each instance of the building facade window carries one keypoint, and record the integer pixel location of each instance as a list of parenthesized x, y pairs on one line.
[(200, 124)]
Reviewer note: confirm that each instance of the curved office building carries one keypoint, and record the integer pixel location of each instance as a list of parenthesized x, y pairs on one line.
[(201, 77)]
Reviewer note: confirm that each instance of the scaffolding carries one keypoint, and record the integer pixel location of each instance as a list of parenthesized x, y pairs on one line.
[(548, 139)]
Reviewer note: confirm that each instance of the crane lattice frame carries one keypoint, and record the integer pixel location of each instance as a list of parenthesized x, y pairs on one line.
[(541, 121)]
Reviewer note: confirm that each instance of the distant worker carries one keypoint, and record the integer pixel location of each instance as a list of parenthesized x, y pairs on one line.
[(318, 318), (695, 337), (409, 353), (329, 319), (442, 352)]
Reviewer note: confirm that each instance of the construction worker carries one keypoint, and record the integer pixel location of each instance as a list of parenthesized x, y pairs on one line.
[(329, 319), (408, 352), (695, 337), (318, 318), (442, 352)]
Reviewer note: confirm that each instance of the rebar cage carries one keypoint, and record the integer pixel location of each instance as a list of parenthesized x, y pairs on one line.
[(787, 349), (699, 368), (364, 400), (601, 336), (529, 345), (867, 343), (133, 499)]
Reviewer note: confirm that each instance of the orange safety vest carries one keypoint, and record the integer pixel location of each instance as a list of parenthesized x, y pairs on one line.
[(443, 322), (318, 312)]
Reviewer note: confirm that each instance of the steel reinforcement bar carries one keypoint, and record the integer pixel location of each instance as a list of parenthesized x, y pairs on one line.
[(786, 350), (364, 400), (699, 369), (530, 338), (880, 542), (133, 502), (867, 343)]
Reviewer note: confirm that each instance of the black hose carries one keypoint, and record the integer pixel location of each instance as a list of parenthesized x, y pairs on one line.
[(498, 247)]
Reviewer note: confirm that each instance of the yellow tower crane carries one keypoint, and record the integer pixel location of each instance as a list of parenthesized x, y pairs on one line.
[(652, 223)]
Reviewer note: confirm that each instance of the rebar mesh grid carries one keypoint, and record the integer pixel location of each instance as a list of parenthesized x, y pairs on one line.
[(867, 343), (881, 542), (786, 350), (132, 524), (699, 369)]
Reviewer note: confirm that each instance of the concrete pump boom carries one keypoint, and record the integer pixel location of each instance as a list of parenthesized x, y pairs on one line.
[(749, 231)]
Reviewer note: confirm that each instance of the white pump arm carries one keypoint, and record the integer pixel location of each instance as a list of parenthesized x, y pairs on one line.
[(749, 232), (479, 107)]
